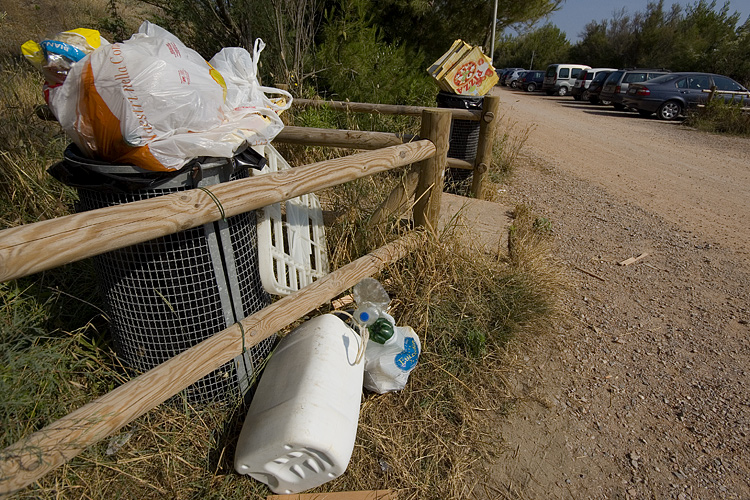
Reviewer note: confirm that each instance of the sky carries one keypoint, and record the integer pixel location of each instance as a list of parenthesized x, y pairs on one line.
[(575, 14)]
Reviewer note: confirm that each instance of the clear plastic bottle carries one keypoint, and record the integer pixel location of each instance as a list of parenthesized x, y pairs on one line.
[(372, 301)]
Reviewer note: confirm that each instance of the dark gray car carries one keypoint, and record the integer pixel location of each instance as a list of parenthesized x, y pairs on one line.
[(670, 95), (616, 85)]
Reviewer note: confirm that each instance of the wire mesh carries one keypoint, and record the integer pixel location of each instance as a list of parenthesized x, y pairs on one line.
[(168, 294)]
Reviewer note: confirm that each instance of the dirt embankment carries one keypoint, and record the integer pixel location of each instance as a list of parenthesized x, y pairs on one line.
[(645, 391)]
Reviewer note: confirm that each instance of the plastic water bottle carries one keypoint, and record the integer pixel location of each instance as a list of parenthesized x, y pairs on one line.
[(372, 301)]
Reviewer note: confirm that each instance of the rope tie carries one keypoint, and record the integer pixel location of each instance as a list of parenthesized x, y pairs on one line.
[(218, 204)]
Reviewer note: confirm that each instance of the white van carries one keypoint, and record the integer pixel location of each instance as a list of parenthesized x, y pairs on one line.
[(560, 78)]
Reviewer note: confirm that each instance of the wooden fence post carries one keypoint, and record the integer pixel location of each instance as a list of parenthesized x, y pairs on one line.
[(487, 128), (436, 127)]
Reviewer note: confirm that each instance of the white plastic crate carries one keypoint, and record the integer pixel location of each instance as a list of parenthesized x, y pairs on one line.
[(291, 237)]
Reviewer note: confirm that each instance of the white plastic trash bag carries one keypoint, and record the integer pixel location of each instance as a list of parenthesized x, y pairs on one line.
[(154, 102), (388, 365)]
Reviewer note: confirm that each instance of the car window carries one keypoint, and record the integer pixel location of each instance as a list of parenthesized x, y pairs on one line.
[(634, 77), (564, 73), (682, 83), (699, 82), (576, 72), (551, 71), (614, 77), (663, 79), (600, 77), (724, 83)]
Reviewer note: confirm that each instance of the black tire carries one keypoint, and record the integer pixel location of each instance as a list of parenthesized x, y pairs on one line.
[(577, 97), (531, 87), (514, 84), (669, 110), (619, 107), (644, 113), (550, 92), (605, 103), (585, 95), (593, 99), (562, 91)]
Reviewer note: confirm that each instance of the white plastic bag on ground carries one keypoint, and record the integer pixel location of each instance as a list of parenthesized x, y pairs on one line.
[(388, 365), (154, 102)]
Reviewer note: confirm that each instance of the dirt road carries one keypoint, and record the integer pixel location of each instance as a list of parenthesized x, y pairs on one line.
[(645, 391)]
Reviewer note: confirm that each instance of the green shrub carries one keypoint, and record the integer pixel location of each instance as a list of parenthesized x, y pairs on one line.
[(720, 117)]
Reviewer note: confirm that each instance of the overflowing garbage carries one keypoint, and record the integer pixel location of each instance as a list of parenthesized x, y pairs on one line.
[(464, 70), (153, 102), (301, 426)]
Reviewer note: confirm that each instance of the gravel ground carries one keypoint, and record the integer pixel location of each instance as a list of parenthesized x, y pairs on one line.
[(645, 391)]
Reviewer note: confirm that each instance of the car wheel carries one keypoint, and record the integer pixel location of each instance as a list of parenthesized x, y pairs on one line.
[(619, 107), (585, 95), (577, 97), (513, 84), (531, 87), (644, 113), (606, 103), (669, 110), (562, 91)]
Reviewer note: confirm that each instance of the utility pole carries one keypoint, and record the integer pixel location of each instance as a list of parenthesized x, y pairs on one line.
[(494, 26)]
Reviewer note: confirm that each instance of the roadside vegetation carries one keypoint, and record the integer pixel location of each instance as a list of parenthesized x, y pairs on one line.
[(469, 309), (721, 118)]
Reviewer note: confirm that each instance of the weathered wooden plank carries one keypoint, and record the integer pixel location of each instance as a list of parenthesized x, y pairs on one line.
[(436, 125), (45, 245), (487, 127), (353, 139), (385, 109)]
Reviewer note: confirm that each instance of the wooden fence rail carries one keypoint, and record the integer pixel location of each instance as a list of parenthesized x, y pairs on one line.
[(44, 245), (384, 109), (48, 244), (487, 118)]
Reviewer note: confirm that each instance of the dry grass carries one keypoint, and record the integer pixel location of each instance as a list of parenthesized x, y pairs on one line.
[(429, 440)]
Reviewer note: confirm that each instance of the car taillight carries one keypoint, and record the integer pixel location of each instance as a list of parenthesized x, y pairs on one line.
[(643, 91), (618, 89)]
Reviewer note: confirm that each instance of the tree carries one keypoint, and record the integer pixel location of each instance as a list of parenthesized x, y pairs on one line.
[(540, 48), (431, 27)]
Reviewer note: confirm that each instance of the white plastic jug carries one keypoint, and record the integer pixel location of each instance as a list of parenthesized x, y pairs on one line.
[(300, 428)]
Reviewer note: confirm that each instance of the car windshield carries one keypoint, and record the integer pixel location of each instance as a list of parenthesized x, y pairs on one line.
[(600, 77)]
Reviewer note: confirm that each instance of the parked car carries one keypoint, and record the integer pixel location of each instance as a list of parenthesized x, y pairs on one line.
[(531, 81), (595, 88), (669, 96), (512, 80), (559, 78), (616, 84), (505, 74), (580, 90)]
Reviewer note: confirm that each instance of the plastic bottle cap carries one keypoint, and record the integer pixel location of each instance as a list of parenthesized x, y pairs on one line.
[(381, 331), (364, 316)]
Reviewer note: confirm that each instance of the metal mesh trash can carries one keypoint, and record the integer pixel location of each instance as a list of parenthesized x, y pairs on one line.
[(464, 139), (168, 294)]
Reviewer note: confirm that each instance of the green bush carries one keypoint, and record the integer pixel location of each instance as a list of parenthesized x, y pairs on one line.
[(720, 117)]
